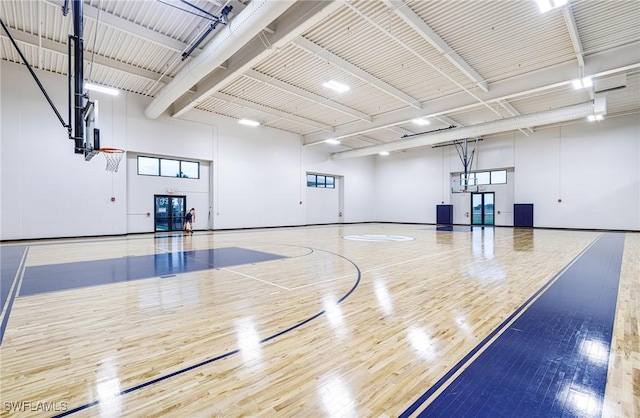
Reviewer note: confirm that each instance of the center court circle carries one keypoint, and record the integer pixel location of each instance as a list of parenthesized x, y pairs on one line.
[(378, 238)]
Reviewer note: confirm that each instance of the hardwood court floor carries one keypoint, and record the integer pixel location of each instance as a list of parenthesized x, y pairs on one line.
[(202, 326)]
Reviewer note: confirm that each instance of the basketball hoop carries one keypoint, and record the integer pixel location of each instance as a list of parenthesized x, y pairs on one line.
[(113, 157)]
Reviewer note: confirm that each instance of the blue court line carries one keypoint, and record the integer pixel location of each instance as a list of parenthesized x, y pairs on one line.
[(459, 228), (553, 359), (13, 270), (65, 276), (227, 354), (10, 258)]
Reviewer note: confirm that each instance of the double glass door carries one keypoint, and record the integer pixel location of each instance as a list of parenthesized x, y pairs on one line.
[(482, 208), (169, 212)]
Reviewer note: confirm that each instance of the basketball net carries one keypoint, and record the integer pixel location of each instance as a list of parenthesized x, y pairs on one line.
[(113, 157)]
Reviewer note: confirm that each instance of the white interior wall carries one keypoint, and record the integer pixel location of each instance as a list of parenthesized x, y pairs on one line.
[(141, 191), (258, 174), (47, 189), (357, 183), (251, 177), (496, 152), (322, 205), (591, 167), (503, 204), (169, 138), (408, 185), (260, 178), (257, 177)]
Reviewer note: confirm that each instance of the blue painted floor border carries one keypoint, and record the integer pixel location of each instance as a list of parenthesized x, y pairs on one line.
[(11, 269), (553, 360), (10, 258)]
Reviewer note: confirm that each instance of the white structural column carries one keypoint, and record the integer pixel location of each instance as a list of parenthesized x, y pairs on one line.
[(420, 26)]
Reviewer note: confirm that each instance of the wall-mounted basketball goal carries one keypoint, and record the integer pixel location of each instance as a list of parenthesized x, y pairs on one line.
[(83, 112), (91, 144)]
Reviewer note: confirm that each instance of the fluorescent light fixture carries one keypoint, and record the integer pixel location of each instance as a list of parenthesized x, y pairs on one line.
[(384, 152), (332, 141), (582, 83), (249, 122), (334, 85), (101, 89), (546, 5), (421, 122), (594, 118)]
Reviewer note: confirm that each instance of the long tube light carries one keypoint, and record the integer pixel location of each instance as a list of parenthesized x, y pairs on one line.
[(249, 122), (334, 85), (101, 89)]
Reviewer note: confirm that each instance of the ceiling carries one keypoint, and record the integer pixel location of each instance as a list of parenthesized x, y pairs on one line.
[(469, 68)]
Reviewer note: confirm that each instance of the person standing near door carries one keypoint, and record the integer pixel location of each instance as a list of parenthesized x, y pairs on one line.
[(189, 220)]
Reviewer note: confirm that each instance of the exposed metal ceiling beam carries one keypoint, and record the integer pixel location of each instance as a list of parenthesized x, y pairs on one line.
[(271, 111), (599, 64), (270, 29), (298, 19), (547, 117), (401, 9), (312, 97), (399, 130), (447, 120), (567, 13), (513, 112), (418, 55), (570, 21), (359, 141), (124, 25), (47, 44), (217, 3), (228, 41), (346, 66)]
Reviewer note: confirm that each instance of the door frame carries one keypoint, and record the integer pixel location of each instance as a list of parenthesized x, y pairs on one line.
[(482, 205), (170, 214)]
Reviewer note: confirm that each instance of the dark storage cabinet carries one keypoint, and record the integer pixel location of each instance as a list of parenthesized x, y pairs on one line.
[(444, 215), (523, 215)]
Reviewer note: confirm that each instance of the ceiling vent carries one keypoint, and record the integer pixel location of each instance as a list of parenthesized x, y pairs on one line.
[(611, 83)]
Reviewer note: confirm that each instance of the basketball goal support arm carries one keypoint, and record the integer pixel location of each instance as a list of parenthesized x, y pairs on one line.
[(35, 77), (465, 158), (78, 76)]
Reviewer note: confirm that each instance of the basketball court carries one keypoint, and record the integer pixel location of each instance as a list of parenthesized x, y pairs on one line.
[(354, 320), (258, 208)]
